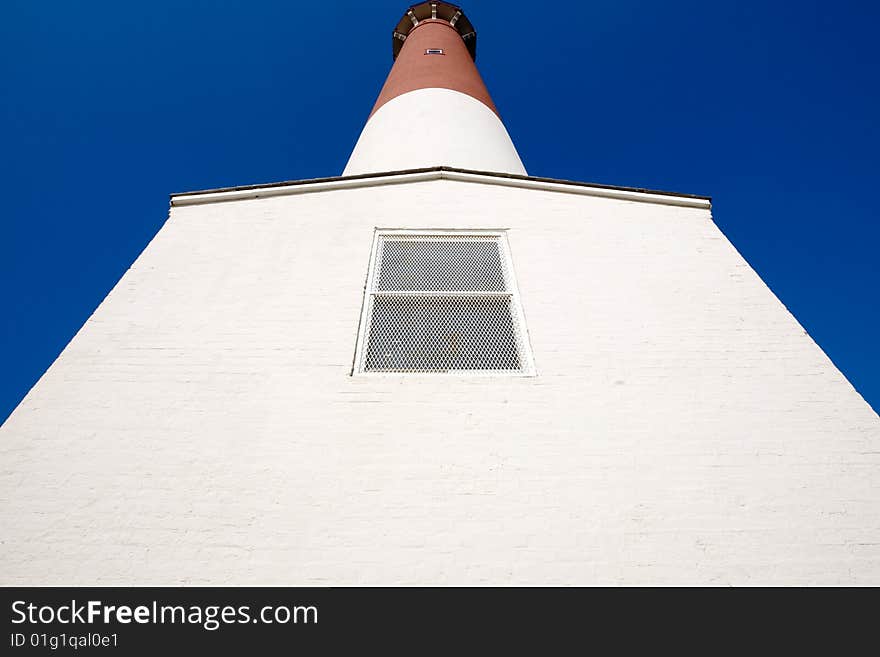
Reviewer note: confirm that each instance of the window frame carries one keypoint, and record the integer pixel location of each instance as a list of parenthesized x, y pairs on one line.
[(523, 342)]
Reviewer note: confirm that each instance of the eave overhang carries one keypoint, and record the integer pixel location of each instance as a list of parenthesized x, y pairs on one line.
[(314, 185)]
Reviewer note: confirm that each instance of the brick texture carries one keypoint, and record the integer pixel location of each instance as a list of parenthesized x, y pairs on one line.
[(203, 426)]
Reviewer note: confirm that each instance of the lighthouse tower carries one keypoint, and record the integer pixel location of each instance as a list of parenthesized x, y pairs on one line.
[(519, 380), (434, 109)]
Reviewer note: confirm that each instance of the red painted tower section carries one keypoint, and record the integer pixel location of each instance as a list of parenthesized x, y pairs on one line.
[(434, 55)]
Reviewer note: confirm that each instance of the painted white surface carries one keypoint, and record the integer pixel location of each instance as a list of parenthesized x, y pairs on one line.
[(336, 184), (434, 127), (202, 427)]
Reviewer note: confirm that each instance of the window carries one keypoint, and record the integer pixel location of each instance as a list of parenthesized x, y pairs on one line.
[(434, 51), (442, 302)]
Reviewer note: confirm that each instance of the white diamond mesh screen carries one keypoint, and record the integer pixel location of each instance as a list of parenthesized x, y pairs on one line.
[(441, 265), (442, 303)]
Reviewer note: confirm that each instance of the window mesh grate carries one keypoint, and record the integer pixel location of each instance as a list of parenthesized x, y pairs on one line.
[(441, 303), (441, 265)]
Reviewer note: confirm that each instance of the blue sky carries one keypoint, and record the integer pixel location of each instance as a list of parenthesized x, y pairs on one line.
[(769, 107)]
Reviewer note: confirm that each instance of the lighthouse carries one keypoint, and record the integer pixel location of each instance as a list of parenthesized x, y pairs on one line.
[(437, 369), (434, 109)]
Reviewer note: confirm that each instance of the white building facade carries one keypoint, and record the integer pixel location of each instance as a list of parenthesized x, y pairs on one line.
[(210, 424)]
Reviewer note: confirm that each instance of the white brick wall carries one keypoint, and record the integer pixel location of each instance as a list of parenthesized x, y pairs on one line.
[(202, 427)]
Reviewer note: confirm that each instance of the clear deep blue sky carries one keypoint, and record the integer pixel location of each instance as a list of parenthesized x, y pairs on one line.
[(769, 107)]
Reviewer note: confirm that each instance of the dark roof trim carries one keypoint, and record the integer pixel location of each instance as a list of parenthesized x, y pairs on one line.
[(492, 174)]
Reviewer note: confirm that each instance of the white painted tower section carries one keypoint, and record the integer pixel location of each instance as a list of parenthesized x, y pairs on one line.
[(434, 127)]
